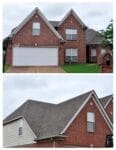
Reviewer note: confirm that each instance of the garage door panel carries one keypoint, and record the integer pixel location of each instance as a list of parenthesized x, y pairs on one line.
[(35, 56)]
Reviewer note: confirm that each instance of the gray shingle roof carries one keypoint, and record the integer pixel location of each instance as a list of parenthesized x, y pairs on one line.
[(105, 99), (45, 119), (93, 37), (54, 23)]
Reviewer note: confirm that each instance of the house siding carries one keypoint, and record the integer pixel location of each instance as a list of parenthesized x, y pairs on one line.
[(11, 137)]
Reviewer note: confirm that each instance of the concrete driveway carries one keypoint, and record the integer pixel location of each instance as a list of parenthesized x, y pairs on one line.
[(35, 69)]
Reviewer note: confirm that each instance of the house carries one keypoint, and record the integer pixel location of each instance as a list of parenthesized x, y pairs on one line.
[(83, 121), (36, 41)]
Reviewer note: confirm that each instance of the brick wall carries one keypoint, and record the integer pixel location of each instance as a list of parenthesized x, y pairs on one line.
[(80, 44), (46, 38)]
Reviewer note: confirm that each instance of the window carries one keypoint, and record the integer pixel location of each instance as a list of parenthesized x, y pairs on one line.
[(71, 34), (20, 131), (90, 122), (93, 55), (36, 28), (20, 127), (71, 55)]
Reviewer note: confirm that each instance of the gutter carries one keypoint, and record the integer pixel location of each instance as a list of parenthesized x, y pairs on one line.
[(50, 138)]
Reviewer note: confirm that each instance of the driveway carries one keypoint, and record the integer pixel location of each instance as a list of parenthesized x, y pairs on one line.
[(35, 69)]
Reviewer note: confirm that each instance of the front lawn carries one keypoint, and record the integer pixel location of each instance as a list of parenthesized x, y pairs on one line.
[(81, 68)]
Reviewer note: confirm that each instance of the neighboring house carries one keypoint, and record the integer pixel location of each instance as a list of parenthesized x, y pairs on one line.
[(82, 121), (39, 42)]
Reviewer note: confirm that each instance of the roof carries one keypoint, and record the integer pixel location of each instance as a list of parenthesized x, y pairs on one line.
[(46, 119), (93, 37), (35, 11), (105, 100), (54, 23), (72, 12)]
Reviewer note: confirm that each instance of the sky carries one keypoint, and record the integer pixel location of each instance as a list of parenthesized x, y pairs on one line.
[(95, 15), (50, 88)]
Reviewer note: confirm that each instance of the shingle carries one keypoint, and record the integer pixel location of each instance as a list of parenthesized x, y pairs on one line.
[(45, 119), (93, 37), (54, 23), (105, 99)]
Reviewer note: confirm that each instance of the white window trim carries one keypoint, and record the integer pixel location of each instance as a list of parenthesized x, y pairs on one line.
[(91, 120), (71, 52), (71, 32), (91, 116), (36, 26), (93, 52)]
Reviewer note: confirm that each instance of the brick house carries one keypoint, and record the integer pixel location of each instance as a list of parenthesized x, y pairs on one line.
[(83, 121), (39, 42)]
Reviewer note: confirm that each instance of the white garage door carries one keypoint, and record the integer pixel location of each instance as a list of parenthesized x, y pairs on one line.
[(35, 56)]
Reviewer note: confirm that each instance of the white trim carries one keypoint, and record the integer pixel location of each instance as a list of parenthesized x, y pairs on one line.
[(36, 10), (100, 107), (76, 114), (103, 109), (30, 128), (108, 102), (75, 15), (103, 114)]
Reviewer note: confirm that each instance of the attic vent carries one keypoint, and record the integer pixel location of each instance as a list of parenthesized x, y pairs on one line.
[(91, 103), (36, 16)]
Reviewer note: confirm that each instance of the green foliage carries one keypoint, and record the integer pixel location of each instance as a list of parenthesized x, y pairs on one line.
[(108, 35)]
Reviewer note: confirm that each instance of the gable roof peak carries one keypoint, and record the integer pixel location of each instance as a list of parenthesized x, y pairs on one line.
[(71, 11), (38, 11)]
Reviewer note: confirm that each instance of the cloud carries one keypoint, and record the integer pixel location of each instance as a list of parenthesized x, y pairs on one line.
[(94, 15), (50, 88)]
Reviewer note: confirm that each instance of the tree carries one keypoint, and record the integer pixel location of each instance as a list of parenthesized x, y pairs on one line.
[(108, 35)]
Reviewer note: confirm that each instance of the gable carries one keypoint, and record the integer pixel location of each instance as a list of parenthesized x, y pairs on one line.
[(11, 136), (72, 12), (77, 131), (99, 106), (24, 35), (38, 14), (71, 22)]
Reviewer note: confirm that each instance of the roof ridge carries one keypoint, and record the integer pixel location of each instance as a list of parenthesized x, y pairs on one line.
[(106, 96), (31, 100), (76, 97)]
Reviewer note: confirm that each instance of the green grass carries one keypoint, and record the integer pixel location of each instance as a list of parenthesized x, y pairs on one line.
[(5, 67), (81, 68)]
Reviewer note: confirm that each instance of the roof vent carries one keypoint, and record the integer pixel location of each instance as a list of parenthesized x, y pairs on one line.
[(36, 16), (35, 44)]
